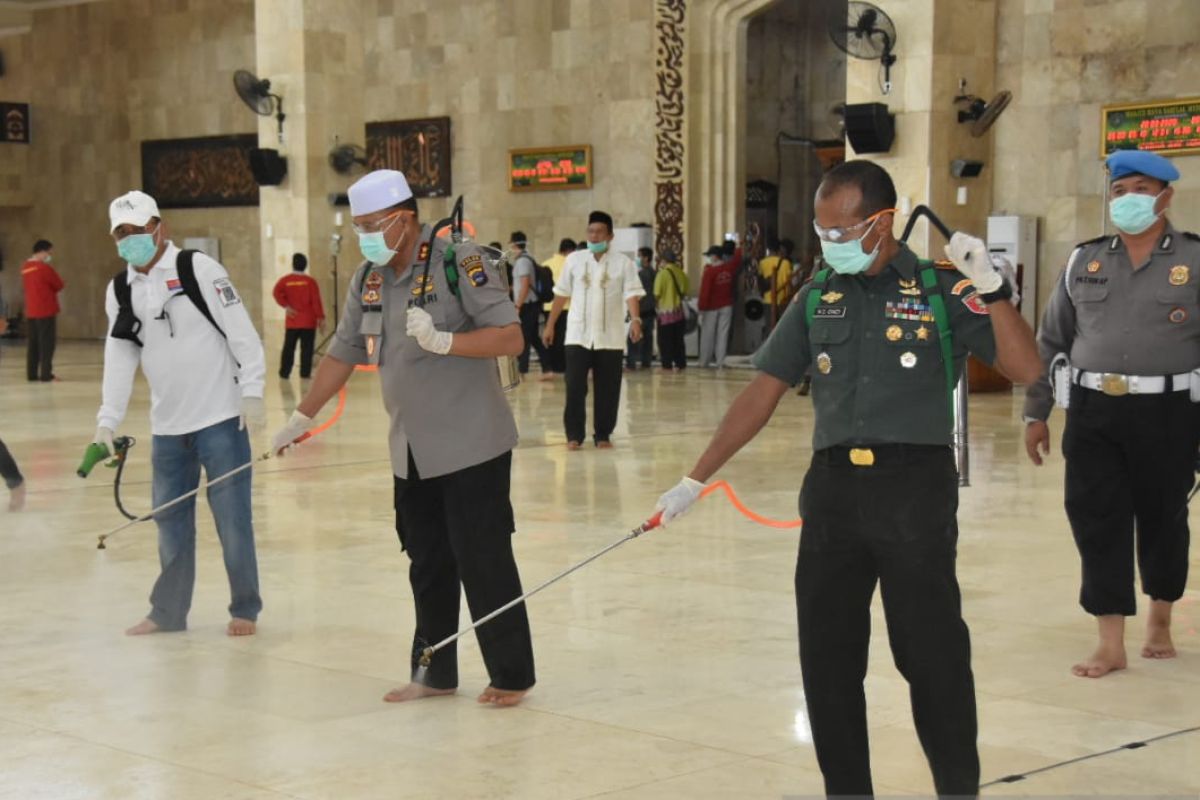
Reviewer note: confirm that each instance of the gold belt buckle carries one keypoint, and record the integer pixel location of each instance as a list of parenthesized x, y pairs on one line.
[(862, 456), (1114, 385)]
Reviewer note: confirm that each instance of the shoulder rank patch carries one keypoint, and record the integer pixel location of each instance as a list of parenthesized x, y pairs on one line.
[(944, 264), (476, 274), (831, 297), (961, 287), (423, 253)]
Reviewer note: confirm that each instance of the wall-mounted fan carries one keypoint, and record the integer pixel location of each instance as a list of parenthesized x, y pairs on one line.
[(257, 95), (868, 33), (344, 157), (980, 113)]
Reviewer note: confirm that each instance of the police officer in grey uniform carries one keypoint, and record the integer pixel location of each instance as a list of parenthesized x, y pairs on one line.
[(880, 497), (1126, 318), (435, 340)]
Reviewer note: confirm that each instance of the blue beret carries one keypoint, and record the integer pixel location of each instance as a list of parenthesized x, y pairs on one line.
[(1138, 162)]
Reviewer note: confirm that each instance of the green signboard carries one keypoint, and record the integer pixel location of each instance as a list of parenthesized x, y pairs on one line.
[(539, 168), (1168, 127)]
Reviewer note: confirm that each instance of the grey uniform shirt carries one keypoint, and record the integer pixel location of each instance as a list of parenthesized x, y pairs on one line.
[(1110, 317), (449, 410), (525, 267)]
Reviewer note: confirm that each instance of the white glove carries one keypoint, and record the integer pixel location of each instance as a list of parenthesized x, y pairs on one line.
[(970, 255), (1009, 273), (104, 436), (420, 327), (287, 436), (254, 414), (678, 500)]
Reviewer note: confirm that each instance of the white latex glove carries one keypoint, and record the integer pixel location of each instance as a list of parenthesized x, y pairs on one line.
[(1009, 273), (970, 255), (287, 436), (254, 414), (104, 436), (420, 327), (678, 500)]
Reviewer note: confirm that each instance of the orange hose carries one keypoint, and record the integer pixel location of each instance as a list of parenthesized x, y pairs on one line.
[(337, 414), (746, 512)]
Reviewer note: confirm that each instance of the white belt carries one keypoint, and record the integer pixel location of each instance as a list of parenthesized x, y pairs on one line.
[(1116, 385)]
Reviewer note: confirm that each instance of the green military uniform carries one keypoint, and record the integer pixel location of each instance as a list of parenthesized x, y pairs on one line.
[(879, 504)]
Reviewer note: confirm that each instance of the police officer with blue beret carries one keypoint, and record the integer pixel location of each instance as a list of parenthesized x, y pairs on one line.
[(434, 321), (1120, 344)]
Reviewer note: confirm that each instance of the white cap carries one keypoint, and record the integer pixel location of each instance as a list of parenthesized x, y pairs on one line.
[(132, 208), (378, 190)]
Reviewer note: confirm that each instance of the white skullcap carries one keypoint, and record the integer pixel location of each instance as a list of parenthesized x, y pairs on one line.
[(132, 208), (378, 190)]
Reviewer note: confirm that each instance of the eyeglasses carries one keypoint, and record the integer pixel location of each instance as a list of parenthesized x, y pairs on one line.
[(378, 225), (844, 234)]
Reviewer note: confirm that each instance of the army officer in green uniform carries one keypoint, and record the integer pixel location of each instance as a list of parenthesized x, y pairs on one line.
[(434, 330), (880, 497), (1126, 318)]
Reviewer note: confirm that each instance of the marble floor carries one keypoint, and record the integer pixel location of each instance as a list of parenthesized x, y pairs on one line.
[(667, 669)]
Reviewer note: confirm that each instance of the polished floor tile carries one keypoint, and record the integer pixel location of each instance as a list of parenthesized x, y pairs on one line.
[(667, 669)]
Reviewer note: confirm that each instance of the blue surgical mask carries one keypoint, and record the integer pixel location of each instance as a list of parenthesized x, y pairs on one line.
[(849, 258), (1133, 213), (137, 248), (374, 248), (597, 247)]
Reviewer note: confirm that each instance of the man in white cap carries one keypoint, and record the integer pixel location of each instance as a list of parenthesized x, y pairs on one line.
[(177, 314), (434, 316)]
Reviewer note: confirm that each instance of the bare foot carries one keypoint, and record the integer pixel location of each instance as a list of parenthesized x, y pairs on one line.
[(573, 445), (1158, 631), (604, 445), (16, 498), (547, 376), (1106, 659), (414, 691), (241, 627), (500, 697), (142, 628)]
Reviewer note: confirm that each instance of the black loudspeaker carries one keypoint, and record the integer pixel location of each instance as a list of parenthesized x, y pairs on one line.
[(965, 168), (268, 166), (869, 127)]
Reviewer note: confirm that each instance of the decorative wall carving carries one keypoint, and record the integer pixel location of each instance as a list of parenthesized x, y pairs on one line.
[(205, 172), (420, 148), (669, 29)]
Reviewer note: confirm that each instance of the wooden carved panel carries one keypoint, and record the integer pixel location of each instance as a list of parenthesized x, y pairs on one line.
[(420, 148), (205, 172)]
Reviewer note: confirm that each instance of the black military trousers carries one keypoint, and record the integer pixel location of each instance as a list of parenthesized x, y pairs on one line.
[(305, 337), (892, 524), (1130, 464), (457, 530), (39, 354)]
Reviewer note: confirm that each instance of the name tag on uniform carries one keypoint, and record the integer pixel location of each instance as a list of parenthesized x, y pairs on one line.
[(830, 312)]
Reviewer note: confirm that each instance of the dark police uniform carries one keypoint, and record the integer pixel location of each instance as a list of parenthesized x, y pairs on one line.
[(1132, 430), (879, 504), (451, 437)]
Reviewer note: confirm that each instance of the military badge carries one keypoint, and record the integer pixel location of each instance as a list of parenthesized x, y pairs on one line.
[(922, 334), (960, 287), (1093, 266), (1178, 315), (975, 304), (824, 363), (1180, 275), (422, 285), (374, 280), (371, 297), (831, 297), (476, 274), (908, 360), (893, 333), (423, 253)]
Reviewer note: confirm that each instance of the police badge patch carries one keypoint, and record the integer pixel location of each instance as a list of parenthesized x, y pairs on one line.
[(476, 274)]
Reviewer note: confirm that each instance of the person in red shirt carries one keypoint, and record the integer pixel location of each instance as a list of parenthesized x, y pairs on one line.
[(716, 302), (300, 296), (42, 285)]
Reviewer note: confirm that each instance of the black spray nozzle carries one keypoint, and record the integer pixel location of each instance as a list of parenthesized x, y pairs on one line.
[(925, 211)]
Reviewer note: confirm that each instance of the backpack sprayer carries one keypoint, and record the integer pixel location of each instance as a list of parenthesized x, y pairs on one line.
[(97, 452)]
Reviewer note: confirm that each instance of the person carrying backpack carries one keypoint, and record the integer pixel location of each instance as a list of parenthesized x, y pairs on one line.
[(529, 303), (177, 314), (642, 351)]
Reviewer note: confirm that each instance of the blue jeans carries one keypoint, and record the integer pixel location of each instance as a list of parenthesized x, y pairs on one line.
[(177, 460)]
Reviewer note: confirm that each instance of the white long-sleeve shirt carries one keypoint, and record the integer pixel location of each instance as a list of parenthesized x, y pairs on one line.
[(598, 289), (194, 378)]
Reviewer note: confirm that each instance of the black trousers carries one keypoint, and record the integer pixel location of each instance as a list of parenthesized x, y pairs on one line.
[(641, 351), (605, 366), (671, 351), (457, 529), (558, 352), (530, 314), (8, 469), (305, 337), (893, 524), (39, 355), (1130, 464)]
